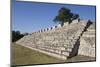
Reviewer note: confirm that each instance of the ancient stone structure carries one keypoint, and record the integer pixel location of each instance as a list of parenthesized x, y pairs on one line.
[(63, 41), (87, 42)]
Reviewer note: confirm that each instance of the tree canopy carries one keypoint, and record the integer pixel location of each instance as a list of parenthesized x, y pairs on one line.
[(16, 35), (65, 15)]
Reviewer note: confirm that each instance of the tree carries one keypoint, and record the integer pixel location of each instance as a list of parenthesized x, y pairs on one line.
[(26, 34), (16, 35), (65, 15)]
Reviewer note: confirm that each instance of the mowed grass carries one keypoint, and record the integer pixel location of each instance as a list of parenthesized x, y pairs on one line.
[(23, 56)]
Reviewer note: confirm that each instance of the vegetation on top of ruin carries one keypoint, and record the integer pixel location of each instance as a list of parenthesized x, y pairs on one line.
[(65, 15)]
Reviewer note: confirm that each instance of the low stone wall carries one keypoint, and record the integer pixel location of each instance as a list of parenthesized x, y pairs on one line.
[(60, 42)]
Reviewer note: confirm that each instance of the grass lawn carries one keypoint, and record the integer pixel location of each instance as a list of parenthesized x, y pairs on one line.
[(23, 56)]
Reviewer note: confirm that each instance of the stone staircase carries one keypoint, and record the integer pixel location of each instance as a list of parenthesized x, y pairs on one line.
[(60, 42), (87, 42)]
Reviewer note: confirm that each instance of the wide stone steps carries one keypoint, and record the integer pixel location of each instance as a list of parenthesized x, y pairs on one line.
[(57, 51), (59, 41)]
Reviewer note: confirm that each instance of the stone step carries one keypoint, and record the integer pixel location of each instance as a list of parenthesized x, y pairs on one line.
[(56, 49), (65, 53), (69, 46), (64, 45), (59, 52), (51, 50), (88, 35), (91, 30), (57, 55), (59, 44)]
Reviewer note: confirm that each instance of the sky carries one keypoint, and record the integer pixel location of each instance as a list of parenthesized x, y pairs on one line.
[(32, 16)]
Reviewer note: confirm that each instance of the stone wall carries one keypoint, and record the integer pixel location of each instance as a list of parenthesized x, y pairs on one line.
[(61, 42), (87, 43)]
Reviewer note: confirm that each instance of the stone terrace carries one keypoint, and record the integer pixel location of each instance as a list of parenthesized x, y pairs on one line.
[(62, 42)]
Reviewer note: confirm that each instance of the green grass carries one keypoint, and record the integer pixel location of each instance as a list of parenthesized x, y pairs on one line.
[(23, 56)]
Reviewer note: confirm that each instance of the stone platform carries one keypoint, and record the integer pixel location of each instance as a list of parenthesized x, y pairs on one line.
[(63, 41)]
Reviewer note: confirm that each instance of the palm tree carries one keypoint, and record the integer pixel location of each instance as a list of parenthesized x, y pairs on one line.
[(65, 15)]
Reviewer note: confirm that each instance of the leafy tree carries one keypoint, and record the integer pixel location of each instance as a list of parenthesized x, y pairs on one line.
[(16, 35), (65, 15)]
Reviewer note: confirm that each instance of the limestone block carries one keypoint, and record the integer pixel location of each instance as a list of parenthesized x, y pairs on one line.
[(88, 35), (61, 48), (75, 21), (69, 49), (65, 53), (58, 51), (69, 46), (66, 24), (59, 25), (91, 30)]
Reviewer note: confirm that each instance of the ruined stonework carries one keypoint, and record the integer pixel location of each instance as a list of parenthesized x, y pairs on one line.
[(63, 42), (87, 42)]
